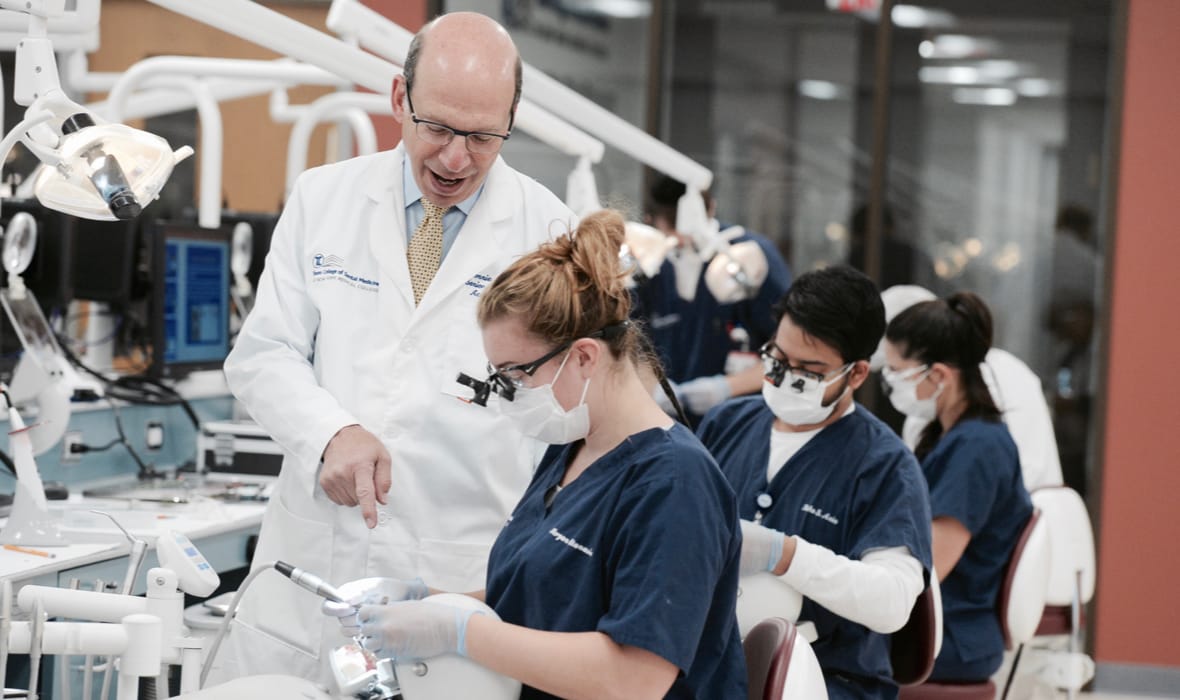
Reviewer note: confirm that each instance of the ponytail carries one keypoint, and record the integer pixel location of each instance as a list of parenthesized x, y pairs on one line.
[(956, 331)]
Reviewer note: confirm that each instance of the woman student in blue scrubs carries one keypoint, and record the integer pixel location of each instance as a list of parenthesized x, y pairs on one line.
[(933, 352), (831, 500), (616, 574)]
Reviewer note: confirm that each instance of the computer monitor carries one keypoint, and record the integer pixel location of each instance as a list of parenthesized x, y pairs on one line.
[(104, 257), (189, 313)]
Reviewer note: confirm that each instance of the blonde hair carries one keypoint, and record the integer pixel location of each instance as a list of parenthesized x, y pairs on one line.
[(570, 288)]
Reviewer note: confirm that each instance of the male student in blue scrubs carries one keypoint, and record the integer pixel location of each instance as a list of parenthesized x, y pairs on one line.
[(694, 337), (831, 499)]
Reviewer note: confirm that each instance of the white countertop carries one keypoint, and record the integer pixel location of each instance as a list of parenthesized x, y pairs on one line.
[(95, 538)]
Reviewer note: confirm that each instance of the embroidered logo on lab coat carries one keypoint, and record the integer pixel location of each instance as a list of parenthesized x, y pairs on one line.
[(812, 510), (571, 542), (326, 267)]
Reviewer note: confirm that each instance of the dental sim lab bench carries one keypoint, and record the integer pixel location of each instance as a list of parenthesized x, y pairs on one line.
[(219, 510)]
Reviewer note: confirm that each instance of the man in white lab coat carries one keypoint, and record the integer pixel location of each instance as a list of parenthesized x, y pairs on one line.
[(387, 472), (1014, 387)]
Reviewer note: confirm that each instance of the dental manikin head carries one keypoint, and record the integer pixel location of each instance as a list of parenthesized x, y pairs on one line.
[(359, 674), (462, 73)]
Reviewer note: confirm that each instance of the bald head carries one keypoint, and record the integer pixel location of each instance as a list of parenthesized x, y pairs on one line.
[(465, 48)]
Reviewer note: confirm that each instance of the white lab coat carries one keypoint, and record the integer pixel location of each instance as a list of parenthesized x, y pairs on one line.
[(1017, 391), (335, 339)]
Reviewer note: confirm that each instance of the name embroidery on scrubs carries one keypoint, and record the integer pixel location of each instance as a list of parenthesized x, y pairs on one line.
[(663, 321), (812, 510), (571, 543), (326, 267)]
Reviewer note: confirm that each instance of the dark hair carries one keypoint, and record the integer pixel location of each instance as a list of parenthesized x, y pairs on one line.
[(956, 331), (415, 52), (664, 196), (838, 305)]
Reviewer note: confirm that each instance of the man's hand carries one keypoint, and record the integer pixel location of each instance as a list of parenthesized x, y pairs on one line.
[(356, 471)]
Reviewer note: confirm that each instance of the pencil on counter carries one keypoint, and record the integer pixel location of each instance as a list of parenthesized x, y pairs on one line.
[(27, 550)]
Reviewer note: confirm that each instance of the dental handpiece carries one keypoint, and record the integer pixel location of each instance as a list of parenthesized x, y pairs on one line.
[(310, 581)]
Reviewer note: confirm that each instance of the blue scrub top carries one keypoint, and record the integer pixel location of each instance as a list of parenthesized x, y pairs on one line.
[(852, 488), (644, 546), (974, 477), (692, 337)]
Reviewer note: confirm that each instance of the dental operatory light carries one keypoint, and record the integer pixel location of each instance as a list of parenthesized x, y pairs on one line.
[(644, 249), (735, 271), (94, 170)]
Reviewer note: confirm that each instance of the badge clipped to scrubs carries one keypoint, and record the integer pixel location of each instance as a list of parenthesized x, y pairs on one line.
[(764, 502)]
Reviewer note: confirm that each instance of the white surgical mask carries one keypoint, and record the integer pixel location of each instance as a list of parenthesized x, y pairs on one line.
[(799, 402), (903, 393), (536, 412)]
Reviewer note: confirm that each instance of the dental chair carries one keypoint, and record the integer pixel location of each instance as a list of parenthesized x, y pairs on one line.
[(780, 664), (1019, 606), (1072, 572), (915, 646)]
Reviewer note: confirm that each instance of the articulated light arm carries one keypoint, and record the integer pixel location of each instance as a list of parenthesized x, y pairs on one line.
[(183, 71), (288, 37), (388, 39)]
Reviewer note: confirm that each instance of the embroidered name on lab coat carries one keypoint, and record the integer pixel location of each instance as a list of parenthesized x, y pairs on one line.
[(571, 542), (331, 267), (476, 284), (812, 510)]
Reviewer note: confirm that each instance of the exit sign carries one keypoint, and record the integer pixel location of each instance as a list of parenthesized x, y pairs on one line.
[(854, 5)]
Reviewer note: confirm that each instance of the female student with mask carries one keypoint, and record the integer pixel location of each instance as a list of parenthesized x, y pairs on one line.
[(933, 352), (616, 574)]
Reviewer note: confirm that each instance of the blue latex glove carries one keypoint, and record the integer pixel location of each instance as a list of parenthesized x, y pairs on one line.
[(416, 629), (370, 591), (703, 393), (762, 547)]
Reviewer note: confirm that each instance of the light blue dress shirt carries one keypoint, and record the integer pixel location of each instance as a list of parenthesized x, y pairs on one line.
[(415, 212)]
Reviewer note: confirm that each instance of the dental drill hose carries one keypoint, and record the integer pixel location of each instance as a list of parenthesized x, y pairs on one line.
[(309, 581)]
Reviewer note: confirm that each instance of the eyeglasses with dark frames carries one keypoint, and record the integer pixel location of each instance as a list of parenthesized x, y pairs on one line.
[(776, 369), (438, 134), (506, 380)]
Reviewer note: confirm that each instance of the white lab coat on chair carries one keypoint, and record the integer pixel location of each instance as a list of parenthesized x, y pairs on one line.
[(335, 339), (1017, 392)]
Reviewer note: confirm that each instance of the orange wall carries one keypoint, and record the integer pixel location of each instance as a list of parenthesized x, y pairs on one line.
[(1138, 615), (255, 148)]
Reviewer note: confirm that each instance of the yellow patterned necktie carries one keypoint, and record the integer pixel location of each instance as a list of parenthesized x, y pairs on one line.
[(425, 251)]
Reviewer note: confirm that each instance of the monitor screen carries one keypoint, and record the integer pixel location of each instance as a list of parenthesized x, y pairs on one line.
[(190, 301), (104, 260)]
